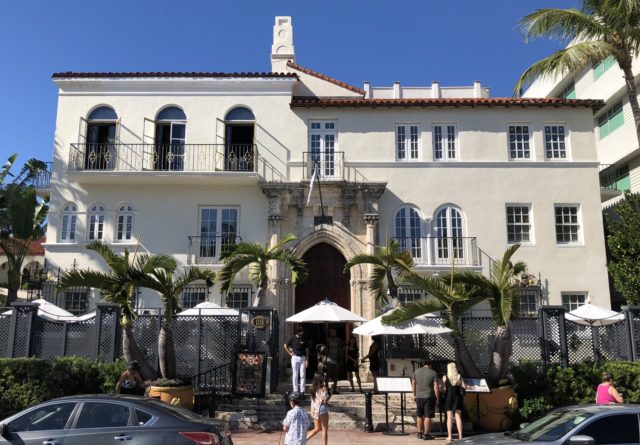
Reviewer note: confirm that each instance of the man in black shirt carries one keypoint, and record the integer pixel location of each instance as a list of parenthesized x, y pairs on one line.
[(298, 348)]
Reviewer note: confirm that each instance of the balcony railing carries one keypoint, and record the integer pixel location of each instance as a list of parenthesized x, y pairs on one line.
[(119, 157), (437, 251), (42, 179), (204, 249), (614, 177), (330, 165)]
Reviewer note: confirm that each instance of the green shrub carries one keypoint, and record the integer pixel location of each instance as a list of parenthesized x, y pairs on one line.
[(540, 390), (27, 381)]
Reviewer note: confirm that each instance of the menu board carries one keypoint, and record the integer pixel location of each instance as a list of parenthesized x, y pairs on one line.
[(249, 374), (394, 384)]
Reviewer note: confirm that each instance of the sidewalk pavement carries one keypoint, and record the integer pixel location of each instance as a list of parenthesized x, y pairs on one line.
[(337, 437)]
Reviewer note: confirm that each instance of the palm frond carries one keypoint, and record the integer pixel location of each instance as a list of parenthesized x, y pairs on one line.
[(87, 278), (568, 60), (562, 24), (411, 310), (363, 259), (107, 254), (293, 262), (232, 266)]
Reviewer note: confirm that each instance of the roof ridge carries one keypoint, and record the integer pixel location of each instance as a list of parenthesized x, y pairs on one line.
[(462, 101), (135, 74), (325, 77)]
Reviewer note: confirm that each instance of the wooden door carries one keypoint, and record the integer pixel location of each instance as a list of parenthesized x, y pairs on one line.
[(326, 278)]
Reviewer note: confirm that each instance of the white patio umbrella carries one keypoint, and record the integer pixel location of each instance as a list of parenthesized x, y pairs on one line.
[(592, 315), (325, 311), (424, 324), (209, 308), (50, 311)]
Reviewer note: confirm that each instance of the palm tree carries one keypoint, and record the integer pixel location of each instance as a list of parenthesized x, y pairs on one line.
[(170, 288), (453, 299), (387, 261), (502, 295), (601, 29), (117, 286), (256, 257), (22, 218)]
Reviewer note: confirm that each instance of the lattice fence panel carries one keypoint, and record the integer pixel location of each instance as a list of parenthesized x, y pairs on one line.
[(22, 337), (145, 331), (109, 347), (187, 344), (613, 341), (579, 342), (48, 338), (636, 331), (275, 350), (81, 338), (526, 340), (5, 325), (479, 334), (219, 336)]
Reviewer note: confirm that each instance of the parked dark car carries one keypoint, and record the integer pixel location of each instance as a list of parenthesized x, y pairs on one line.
[(573, 425), (104, 419)]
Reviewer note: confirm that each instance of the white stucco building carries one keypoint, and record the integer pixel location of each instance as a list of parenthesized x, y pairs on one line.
[(181, 163), (614, 126)]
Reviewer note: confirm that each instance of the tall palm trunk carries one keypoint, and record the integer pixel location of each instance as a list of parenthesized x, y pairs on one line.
[(632, 92), (464, 361), (131, 352), (502, 350), (167, 351)]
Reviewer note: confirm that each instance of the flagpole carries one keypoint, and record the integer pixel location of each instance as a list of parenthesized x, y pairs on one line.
[(322, 219)]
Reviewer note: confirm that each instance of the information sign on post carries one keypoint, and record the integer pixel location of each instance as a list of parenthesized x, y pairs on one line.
[(388, 385), (476, 385), (249, 373)]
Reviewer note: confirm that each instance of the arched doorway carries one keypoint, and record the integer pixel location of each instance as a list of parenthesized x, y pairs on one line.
[(326, 280)]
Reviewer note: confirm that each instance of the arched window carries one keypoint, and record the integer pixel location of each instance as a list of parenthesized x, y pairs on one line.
[(240, 114), (171, 127), (408, 230), (69, 222), (449, 228), (124, 223), (240, 150), (95, 223), (99, 151), (103, 114)]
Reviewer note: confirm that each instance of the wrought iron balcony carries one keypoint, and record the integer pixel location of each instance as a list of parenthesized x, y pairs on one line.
[(118, 157), (442, 251), (206, 249), (330, 164), (42, 179)]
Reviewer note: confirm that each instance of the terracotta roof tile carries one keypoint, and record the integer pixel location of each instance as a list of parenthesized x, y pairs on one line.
[(71, 74), (444, 102), (325, 77), (35, 248)]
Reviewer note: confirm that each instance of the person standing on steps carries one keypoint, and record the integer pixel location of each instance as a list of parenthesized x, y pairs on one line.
[(335, 352), (298, 348), (425, 391), (353, 354), (454, 399), (374, 360)]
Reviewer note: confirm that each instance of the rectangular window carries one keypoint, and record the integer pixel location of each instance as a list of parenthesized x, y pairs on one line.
[(323, 149), (569, 92), (611, 120), (193, 295), (554, 142), (239, 296), (409, 294), (519, 224), (407, 142), (572, 301), (68, 232), (530, 299), (96, 226), (125, 223), (444, 142), (218, 230), (600, 68), (519, 147), (616, 178), (567, 224)]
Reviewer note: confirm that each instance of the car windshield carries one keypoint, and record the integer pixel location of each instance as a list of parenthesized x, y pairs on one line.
[(553, 426), (173, 410)]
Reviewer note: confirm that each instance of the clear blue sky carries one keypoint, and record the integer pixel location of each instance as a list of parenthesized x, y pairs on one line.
[(412, 41)]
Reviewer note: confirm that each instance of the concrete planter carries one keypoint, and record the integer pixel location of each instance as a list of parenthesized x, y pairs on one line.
[(496, 408), (175, 395)]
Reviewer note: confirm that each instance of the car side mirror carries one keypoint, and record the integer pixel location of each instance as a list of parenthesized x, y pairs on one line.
[(524, 425), (3, 429), (581, 440)]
